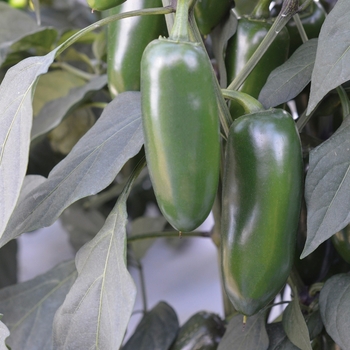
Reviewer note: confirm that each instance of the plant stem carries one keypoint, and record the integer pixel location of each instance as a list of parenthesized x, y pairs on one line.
[(168, 234), (300, 28), (77, 72), (109, 19), (289, 9), (249, 103), (143, 287), (179, 32), (261, 10)]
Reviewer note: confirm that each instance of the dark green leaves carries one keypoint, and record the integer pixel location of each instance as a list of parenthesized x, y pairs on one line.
[(335, 308), (251, 336), (156, 331), (91, 166), (327, 188), (289, 79), (333, 54)]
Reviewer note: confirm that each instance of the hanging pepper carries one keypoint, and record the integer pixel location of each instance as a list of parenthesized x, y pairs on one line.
[(250, 32), (209, 13), (262, 192), (126, 41), (181, 125), (101, 5)]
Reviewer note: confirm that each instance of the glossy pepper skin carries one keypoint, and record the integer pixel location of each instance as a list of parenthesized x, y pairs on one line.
[(181, 130), (262, 192), (341, 242), (101, 5), (249, 34), (209, 13), (126, 41), (312, 19)]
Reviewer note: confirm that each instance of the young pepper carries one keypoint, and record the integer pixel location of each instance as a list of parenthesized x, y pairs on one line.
[(262, 192), (209, 13), (101, 5), (250, 32), (126, 41), (181, 125)]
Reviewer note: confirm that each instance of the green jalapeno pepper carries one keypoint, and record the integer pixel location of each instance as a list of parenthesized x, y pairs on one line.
[(249, 34), (126, 41), (101, 5), (181, 126), (209, 13), (262, 192)]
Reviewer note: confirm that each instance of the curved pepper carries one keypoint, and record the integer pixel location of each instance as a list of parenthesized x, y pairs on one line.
[(209, 13), (101, 5), (181, 125), (126, 41), (262, 192), (249, 34)]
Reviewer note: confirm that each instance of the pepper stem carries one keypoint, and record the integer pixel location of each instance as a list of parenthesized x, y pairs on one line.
[(261, 10), (249, 103), (179, 31)]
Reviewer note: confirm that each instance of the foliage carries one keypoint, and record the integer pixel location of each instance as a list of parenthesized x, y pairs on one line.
[(70, 150)]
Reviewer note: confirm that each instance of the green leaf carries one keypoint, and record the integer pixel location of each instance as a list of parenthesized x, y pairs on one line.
[(314, 324), (327, 188), (144, 225), (19, 32), (288, 80), (335, 308), (278, 338), (53, 85), (81, 224), (43, 39), (251, 336), (295, 326), (8, 264), (29, 307), (333, 54), (4, 333), (97, 309), (54, 111), (156, 330), (71, 129), (14, 23), (91, 166), (16, 115), (220, 36), (202, 331)]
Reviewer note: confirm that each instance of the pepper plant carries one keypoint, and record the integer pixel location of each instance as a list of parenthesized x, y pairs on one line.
[(239, 108)]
